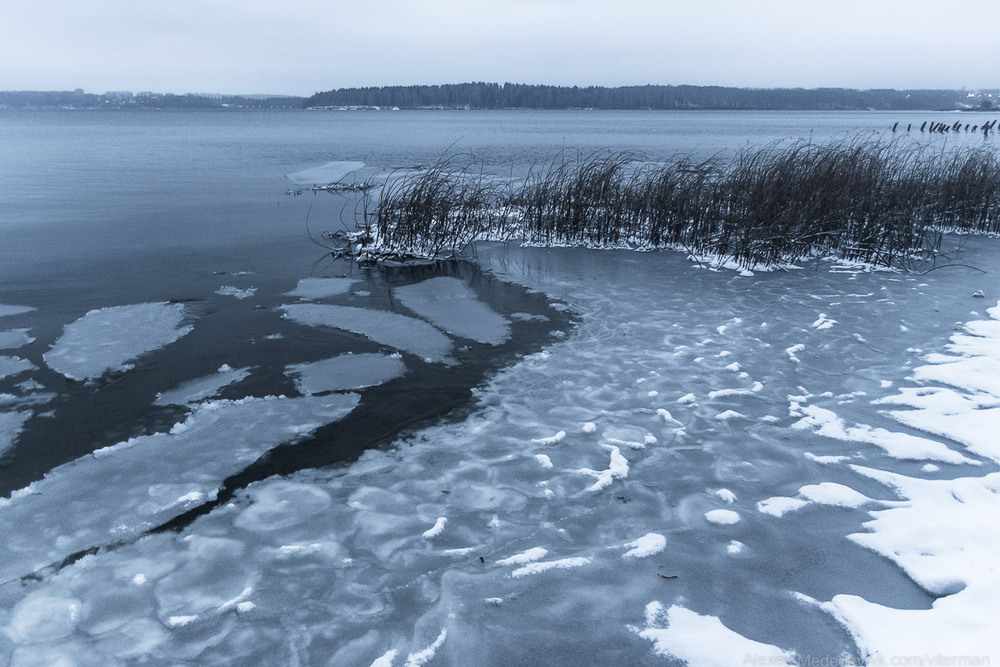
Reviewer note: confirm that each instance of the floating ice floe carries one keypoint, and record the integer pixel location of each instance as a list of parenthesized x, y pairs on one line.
[(399, 331), (199, 389), (15, 338), (453, 307), (14, 366), (106, 339), (321, 288), (328, 172), (7, 310), (236, 292), (11, 424), (346, 371), (704, 641)]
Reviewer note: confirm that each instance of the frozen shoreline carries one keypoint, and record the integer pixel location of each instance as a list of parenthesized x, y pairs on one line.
[(603, 500)]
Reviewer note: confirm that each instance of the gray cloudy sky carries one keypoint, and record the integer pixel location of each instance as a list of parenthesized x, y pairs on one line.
[(302, 46)]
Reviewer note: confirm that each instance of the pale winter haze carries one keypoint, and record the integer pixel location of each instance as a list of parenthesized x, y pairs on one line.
[(254, 46)]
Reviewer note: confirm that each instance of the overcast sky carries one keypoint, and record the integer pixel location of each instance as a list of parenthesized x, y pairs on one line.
[(299, 47)]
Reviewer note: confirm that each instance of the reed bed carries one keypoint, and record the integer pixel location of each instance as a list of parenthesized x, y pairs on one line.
[(861, 199)]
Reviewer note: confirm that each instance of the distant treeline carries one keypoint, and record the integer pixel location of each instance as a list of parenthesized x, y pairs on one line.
[(523, 96), (78, 99)]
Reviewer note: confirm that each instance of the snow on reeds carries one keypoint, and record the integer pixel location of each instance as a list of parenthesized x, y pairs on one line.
[(862, 199)]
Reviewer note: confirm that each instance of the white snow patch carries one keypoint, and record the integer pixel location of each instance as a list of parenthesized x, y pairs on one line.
[(729, 414), (426, 655), (831, 493), (722, 517), (589, 427), (704, 641), (11, 425), (793, 351), (107, 339), (647, 545), (687, 399), (543, 460), (436, 529), (529, 556), (823, 322), (826, 459), (386, 659), (545, 566), (780, 505), (617, 469), (551, 440), (735, 547), (726, 495)]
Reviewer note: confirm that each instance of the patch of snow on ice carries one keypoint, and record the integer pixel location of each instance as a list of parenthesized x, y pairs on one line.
[(897, 445), (11, 424), (704, 641), (780, 505), (436, 529), (426, 655), (589, 427), (545, 566), (550, 440), (453, 306), (735, 547), (826, 459), (386, 659), (617, 469), (106, 339), (543, 460), (687, 399), (831, 493), (722, 517), (726, 495), (730, 414), (647, 545), (823, 322), (793, 351), (529, 556)]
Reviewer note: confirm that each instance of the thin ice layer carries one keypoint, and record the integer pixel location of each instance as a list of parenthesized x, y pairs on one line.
[(346, 371), (14, 366), (321, 288), (398, 331), (11, 424), (14, 338), (201, 388), (107, 339), (123, 490), (8, 310), (330, 172), (452, 306)]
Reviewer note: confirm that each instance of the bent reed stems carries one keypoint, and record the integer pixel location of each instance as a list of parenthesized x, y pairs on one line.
[(861, 199)]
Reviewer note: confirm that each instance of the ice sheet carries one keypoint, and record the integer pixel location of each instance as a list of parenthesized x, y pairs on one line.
[(451, 305), (399, 331), (10, 427), (107, 339)]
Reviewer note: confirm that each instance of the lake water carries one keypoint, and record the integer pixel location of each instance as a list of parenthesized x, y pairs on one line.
[(170, 247)]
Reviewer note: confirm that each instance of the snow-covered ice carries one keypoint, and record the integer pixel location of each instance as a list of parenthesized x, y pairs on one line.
[(321, 288), (15, 338), (192, 391), (7, 310)]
